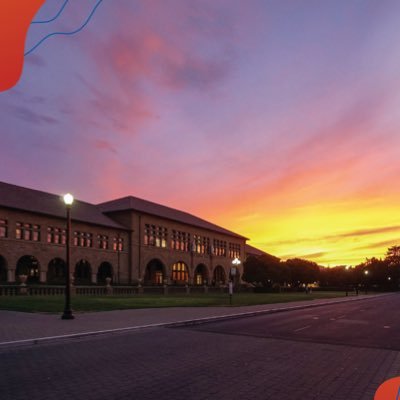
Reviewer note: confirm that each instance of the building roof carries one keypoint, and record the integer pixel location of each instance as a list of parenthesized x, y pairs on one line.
[(254, 251), (24, 199), (131, 203)]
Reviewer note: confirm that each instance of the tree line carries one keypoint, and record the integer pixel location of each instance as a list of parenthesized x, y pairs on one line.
[(270, 272)]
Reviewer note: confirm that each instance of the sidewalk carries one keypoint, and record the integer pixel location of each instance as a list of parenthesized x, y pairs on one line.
[(19, 328)]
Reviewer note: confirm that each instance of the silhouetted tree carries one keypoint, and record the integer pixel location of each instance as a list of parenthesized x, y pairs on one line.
[(378, 276), (302, 271), (267, 270), (339, 276), (393, 253), (263, 270), (392, 260)]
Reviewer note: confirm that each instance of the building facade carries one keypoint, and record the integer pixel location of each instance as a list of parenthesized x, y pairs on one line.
[(129, 240)]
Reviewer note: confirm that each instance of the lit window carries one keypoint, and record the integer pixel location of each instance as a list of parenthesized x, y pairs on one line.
[(180, 272), (56, 235), (18, 231), (35, 233), (83, 239), (29, 232), (118, 244), (102, 241), (155, 236), (158, 278), (201, 244), (180, 240), (3, 228), (219, 247), (234, 250)]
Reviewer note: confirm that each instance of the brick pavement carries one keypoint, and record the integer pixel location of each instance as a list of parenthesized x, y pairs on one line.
[(183, 363), (17, 326), (165, 363)]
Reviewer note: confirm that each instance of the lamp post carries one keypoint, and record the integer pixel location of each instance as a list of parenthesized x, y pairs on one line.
[(366, 273), (118, 254), (68, 200), (235, 263), (347, 280)]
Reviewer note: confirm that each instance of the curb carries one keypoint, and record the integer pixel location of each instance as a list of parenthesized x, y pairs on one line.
[(177, 324), (263, 312)]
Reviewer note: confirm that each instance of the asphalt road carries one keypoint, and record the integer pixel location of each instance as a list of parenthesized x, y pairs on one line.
[(240, 359), (370, 323)]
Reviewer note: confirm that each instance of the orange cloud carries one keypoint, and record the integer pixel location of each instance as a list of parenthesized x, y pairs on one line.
[(15, 18)]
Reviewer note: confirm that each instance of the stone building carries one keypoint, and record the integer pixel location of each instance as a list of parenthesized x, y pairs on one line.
[(129, 239)]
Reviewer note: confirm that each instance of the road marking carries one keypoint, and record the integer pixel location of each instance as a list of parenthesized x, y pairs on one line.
[(315, 317), (300, 329), (340, 316), (386, 327), (332, 319)]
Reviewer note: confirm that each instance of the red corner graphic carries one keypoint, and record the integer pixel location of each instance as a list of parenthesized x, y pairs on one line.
[(389, 390), (15, 18)]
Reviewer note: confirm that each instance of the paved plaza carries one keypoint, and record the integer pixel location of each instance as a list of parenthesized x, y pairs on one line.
[(285, 355), (19, 327)]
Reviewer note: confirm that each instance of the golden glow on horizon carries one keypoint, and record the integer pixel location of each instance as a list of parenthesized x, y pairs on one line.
[(337, 233)]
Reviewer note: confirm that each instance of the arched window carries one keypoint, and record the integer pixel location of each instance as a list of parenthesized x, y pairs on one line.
[(3, 269), (200, 275), (56, 271), (105, 271), (83, 272), (28, 265), (154, 273), (180, 273), (219, 276)]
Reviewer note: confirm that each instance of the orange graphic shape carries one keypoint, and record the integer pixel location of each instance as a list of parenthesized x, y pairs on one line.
[(15, 18), (389, 390)]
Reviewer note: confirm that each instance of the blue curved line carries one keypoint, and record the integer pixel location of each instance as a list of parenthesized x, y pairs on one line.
[(54, 18), (65, 33)]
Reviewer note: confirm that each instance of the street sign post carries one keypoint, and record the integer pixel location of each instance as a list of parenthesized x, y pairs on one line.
[(233, 271), (230, 292)]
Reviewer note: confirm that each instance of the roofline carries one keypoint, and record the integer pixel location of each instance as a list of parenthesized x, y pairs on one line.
[(227, 233), (118, 226), (121, 228)]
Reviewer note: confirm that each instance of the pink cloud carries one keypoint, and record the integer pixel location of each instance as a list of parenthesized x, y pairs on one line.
[(155, 44), (104, 145)]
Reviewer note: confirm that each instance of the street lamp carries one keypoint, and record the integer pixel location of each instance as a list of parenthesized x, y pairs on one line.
[(347, 268), (366, 273), (118, 255), (68, 200), (235, 263)]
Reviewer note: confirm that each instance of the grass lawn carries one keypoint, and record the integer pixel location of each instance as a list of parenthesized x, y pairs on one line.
[(55, 304)]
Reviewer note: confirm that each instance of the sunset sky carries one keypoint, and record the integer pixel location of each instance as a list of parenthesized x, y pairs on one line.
[(277, 119)]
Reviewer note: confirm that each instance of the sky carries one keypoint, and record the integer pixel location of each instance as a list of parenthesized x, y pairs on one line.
[(276, 119)]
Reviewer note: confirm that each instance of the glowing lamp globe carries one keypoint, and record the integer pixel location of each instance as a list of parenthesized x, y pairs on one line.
[(68, 199)]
